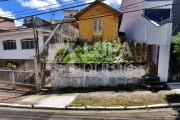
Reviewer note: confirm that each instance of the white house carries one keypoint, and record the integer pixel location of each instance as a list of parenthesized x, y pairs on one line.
[(152, 22), (17, 46)]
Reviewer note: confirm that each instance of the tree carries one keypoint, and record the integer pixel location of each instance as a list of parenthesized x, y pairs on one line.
[(175, 58), (177, 46)]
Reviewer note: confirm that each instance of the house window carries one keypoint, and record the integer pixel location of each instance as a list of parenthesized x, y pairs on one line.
[(27, 43), (98, 26), (9, 44)]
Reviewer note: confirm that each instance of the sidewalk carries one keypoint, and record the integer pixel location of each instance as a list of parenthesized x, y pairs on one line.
[(83, 99)]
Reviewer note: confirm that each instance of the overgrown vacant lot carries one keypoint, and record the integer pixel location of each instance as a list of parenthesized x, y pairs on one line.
[(138, 98)]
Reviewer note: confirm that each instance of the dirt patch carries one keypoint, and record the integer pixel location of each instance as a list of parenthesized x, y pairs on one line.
[(124, 99)]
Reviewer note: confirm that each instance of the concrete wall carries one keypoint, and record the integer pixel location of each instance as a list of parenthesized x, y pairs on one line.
[(76, 77)]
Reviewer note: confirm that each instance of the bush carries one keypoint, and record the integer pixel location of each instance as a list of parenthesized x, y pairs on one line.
[(70, 58), (59, 52), (11, 66), (92, 50)]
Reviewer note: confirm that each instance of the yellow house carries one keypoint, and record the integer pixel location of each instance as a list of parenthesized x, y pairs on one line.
[(99, 21)]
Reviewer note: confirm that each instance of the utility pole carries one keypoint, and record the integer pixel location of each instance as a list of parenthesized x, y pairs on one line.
[(35, 58), (37, 45)]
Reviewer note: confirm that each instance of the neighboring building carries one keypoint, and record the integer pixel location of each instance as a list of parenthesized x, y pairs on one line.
[(99, 21), (17, 45), (144, 22), (38, 22), (6, 24), (69, 15)]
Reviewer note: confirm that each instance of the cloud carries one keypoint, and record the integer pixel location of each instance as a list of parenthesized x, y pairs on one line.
[(39, 4), (67, 1), (4, 13), (9, 14), (109, 2), (18, 22)]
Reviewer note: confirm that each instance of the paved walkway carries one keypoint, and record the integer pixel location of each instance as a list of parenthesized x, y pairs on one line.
[(174, 87), (53, 100), (59, 98)]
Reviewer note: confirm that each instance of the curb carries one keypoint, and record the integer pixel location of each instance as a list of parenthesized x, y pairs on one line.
[(174, 104), (48, 107), (158, 106), (115, 108), (136, 107), (95, 108), (89, 107), (15, 105), (75, 108)]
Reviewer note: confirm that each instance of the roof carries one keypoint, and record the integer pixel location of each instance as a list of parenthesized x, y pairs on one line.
[(6, 18), (94, 3), (23, 30), (70, 10), (75, 25)]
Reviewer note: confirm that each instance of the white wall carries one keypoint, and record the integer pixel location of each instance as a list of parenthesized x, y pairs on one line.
[(18, 53), (143, 30), (139, 28), (68, 12)]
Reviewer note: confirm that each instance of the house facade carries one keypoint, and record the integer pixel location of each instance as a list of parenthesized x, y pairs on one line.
[(154, 22), (98, 21), (17, 46)]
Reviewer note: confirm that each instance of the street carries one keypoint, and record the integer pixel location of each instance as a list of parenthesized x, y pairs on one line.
[(35, 114)]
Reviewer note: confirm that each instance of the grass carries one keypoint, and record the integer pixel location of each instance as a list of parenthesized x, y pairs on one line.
[(114, 101), (120, 100)]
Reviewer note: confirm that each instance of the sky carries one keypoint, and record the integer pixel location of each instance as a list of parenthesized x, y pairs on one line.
[(22, 8)]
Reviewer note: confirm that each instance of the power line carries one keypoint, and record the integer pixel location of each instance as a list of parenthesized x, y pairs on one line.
[(132, 4), (25, 11), (40, 11), (152, 7), (110, 14), (55, 10), (3, 0), (143, 4)]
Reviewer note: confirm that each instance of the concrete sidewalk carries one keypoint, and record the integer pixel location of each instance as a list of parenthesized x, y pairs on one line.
[(63, 99)]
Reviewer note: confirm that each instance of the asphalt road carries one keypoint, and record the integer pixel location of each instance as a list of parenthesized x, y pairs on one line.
[(29, 114)]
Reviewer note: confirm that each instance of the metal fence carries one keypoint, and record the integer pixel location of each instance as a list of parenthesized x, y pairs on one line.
[(17, 78)]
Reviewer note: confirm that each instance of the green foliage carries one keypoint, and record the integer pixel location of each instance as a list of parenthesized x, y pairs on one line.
[(11, 66), (150, 69), (59, 52), (108, 60), (99, 52), (70, 58), (78, 49), (176, 44), (175, 57)]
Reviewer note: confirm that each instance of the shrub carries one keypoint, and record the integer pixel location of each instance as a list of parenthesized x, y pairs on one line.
[(11, 66), (59, 52)]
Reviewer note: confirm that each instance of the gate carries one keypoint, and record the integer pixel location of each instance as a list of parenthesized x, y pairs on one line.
[(17, 79), (22, 78)]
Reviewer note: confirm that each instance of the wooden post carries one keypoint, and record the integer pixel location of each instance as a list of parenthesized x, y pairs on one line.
[(35, 59)]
